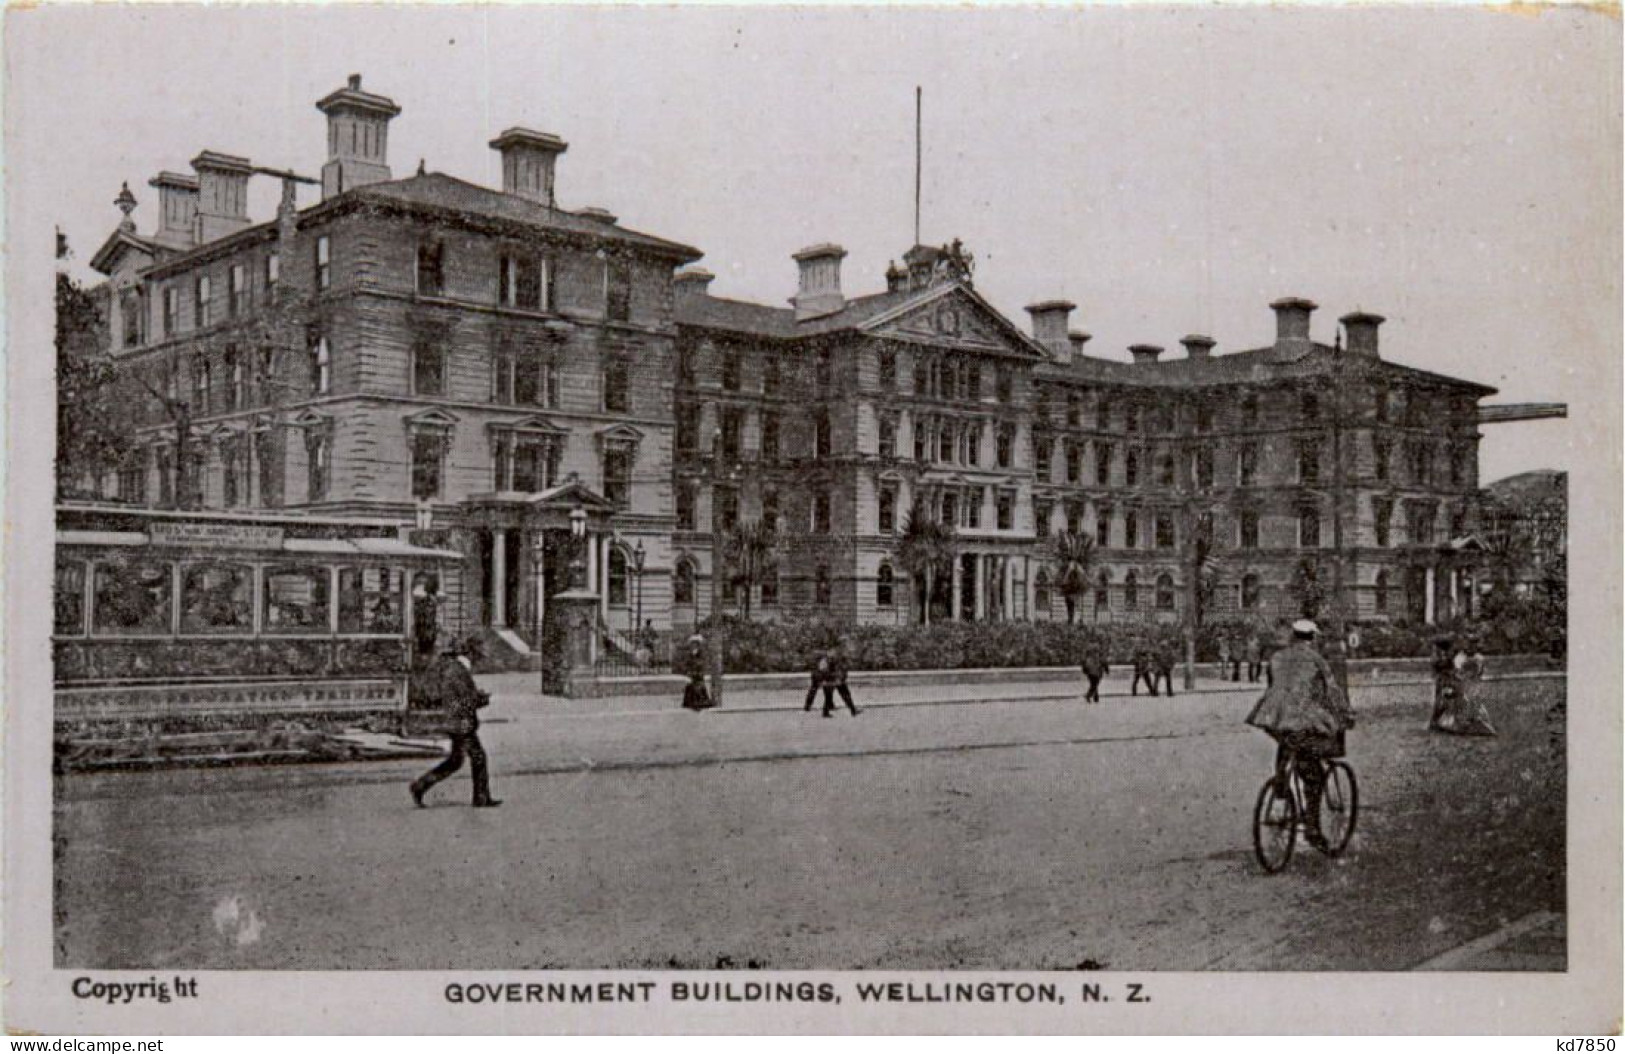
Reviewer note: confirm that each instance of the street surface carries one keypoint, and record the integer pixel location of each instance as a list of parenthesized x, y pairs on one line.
[(934, 831)]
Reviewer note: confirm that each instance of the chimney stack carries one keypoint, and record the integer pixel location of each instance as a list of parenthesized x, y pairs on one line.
[(1077, 338), (177, 209), (222, 195), (1144, 352), (1049, 327), (1198, 346), (1292, 320), (819, 291), (598, 215), (693, 282), (1362, 331), (528, 161), (357, 138)]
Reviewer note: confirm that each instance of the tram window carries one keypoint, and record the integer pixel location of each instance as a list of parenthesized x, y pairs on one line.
[(217, 598), (133, 599), (371, 599), (70, 599), (296, 600)]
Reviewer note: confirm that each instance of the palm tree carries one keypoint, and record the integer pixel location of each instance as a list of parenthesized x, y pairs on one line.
[(1074, 555), (925, 545), (748, 553)]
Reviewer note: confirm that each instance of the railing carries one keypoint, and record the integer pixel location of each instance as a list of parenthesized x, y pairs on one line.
[(621, 654)]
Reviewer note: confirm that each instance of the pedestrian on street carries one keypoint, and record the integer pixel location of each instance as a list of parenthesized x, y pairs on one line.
[(1165, 659), (460, 699), (425, 621), (1094, 668), (695, 665), (1224, 657), (818, 676), (1255, 658), (835, 681), (1144, 670)]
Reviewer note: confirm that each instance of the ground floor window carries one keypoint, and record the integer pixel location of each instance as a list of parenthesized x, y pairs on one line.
[(1249, 592), (885, 583), (682, 585), (617, 577), (1165, 593), (821, 590), (1041, 596)]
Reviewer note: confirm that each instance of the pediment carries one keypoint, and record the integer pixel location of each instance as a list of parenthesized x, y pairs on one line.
[(534, 424), (120, 243), (619, 433), (953, 316), (434, 418)]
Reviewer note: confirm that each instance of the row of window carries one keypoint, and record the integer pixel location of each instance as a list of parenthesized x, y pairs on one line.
[(525, 281), (728, 588)]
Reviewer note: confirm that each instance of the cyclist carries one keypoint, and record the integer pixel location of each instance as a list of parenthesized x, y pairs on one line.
[(1306, 715)]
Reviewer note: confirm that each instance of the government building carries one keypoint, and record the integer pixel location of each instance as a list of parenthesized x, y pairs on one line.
[(565, 403)]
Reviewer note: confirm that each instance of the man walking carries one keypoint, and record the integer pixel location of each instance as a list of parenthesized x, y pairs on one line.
[(425, 621), (835, 681), (1144, 666), (1166, 659), (1094, 668), (1255, 658), (452, 684)]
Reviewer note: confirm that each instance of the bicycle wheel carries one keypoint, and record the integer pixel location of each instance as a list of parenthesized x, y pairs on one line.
[(1339, 807), (1275, 827)]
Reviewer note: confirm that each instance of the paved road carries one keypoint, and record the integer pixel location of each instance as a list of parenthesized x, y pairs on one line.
[(1008, 834)]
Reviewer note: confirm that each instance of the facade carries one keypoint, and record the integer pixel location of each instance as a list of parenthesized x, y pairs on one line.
[(1525, 530), (555, 397)]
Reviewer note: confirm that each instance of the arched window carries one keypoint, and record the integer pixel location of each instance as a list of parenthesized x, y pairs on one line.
[(1249, 592), (1041, 598), (617, 576), (1103, 592), (1165, 592), (1382, 592), (1131, 591), (884, 583), (821, 587), (682, 585)]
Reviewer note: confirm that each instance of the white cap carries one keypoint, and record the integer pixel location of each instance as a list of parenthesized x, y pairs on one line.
[(1305, 628)]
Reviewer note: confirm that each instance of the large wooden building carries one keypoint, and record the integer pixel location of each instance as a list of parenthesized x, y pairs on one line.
[(560, 397)]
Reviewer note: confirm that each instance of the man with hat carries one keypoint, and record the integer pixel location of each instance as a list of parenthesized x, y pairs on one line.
[(451, 682), (1306, 714)]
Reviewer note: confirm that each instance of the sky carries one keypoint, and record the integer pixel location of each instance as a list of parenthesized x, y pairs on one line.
[(1170, 171)]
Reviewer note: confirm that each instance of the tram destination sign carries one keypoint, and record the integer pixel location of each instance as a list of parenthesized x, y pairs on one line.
[(215, 535)]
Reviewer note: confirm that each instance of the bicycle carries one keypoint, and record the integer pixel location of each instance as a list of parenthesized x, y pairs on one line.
[(1277, 817)]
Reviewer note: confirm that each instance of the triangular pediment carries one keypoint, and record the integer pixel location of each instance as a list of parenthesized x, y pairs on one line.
[(620, 433), (118, 244), (953, 316), (571, 493), (434, 418), (534, 424)]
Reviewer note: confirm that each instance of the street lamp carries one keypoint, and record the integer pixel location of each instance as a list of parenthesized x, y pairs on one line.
[(578, 559), (638, 556)]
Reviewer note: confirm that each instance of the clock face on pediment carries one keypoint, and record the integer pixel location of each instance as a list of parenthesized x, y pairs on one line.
[(950, 321)]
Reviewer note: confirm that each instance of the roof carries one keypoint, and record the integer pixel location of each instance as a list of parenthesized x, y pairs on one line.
[(1534, 486), (741, 316), (117, 243), (436, 191)]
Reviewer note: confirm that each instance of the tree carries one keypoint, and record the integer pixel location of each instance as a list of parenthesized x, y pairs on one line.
[(749, 554), (94, 429), (926, 546), (1074, 556)]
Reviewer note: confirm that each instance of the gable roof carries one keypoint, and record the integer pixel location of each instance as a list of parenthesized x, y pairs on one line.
[(117, 244)]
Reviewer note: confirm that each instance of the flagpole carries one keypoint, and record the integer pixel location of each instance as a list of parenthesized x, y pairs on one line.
[(918, 104)]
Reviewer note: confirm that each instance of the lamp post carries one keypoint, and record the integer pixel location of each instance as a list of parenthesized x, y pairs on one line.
[(538, 562), (638, 556), (578, 556)]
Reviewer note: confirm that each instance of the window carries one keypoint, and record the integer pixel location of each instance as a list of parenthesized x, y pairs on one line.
[(1131, 530), (1131, 591), (1103, 528), (1309, 529), (1165, 470), (237, 290), (202, 384), (821, 512), (1309, 461), (687, 430), (172, 310), (236, 379), (324, 263), (617, 385), (1249, 409), (1074, 409), (973, 381), (272, 275), (821, 588), (888, 370), (1247, 532), (1041, 594), (1074, 463), (618, 591), (973, 507), (133, 599), (770, 510), (886, 518), (1074, 517), (264, 374), (730, 371), (1204, 467), (685, 366), (1382, 515), (1204, 416), (685, 505), (821, 439), (1165, 592), (1457, 463), (428, 366), (321, 366), (533, 465), (1165, 530), (1382, 592), (922, 375), (971, 439), (770, 436), (884, 586), (1006, 510), (428, 449), (733, 425), (132, 312), (1309, 406), (202, 308), (770, 377), (522, 282), (724, 509), (372, 600), (618, 290), (166, 476), (1247, 465), (68, 599), (886, 444), (825, 369), (770, 586), (1420, 468), (1004, 383), (949, 509), (132, 484), (1131, 419), (1043, 456), (1103, 464), (1103, 592), (618, 475), (231, 463), (682, 583), (1131, 469), (1381, 449), (431, 268), (1249, 592), (1005, 444), (317, 453), (1379, 401), (296, 600), (922, 438)]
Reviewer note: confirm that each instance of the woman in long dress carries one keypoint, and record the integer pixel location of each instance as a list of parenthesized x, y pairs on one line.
[(1464, 713)]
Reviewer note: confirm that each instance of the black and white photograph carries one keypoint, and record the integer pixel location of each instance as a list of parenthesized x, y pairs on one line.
[(861, 518)]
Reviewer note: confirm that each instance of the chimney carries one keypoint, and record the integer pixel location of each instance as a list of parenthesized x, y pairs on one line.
[(693, 282), (1077, 338), (177, 209), (222, 194), (598, 215), (357, 138), (1362, 331), (528, 160), (1292, 320), (1049, 327), (819, 292), (1144, 352), (1197, 346)]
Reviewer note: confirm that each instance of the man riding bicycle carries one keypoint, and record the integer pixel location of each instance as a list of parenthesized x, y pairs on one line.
[(1306, 714)]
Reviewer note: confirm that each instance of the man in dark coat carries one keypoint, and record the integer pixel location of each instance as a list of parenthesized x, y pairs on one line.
[(817, 677), (835, 681), (451, 681), (1165, 659), (1144, 666), (1094, 668), (425, 623)]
